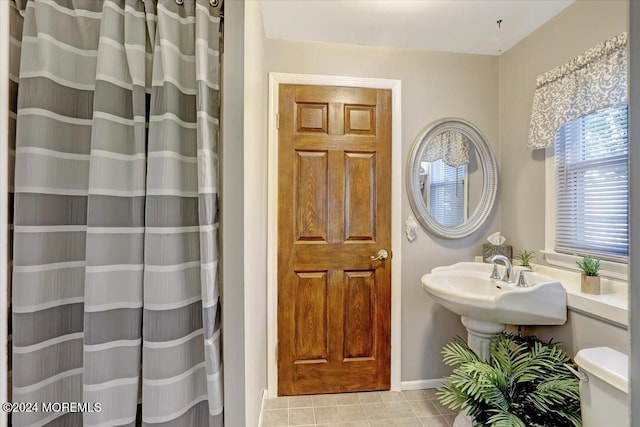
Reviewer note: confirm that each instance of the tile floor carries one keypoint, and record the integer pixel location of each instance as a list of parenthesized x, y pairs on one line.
[(371, 409)]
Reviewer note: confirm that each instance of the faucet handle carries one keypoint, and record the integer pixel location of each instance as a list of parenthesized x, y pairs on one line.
[(494, 274), (522, 281)]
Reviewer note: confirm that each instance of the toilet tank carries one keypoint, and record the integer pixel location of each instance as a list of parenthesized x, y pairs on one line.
[(604, 398)]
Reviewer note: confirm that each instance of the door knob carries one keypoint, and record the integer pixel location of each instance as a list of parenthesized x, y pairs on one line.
[(381, 256)]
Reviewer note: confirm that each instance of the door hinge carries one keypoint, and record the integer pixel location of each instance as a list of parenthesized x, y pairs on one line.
[(277, 120), (277, 350)]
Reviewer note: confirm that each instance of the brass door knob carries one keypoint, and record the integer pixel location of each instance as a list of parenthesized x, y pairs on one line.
[(381, 256)]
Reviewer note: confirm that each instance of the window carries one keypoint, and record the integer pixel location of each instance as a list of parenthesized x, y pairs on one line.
[(592, 186), (444, 192)]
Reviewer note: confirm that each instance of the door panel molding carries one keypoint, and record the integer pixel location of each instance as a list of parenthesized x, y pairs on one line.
[(314, 124), (360, 201), (359, 314), (312, 187), (311, 303)]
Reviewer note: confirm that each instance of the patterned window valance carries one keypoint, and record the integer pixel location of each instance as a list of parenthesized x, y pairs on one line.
[(449, 146), (594, 80)]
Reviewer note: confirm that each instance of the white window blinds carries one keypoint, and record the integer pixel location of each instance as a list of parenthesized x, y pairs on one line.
[(592, 186), (447, 193)]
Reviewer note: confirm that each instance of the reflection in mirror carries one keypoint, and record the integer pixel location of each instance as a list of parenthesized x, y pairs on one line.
[(445, 192), (451, 178), (448, 165)]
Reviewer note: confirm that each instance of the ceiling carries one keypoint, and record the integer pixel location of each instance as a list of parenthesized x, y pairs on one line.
[(463, 26)]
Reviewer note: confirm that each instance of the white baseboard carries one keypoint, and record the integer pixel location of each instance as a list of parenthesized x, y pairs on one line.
[(264, 397), (422, 384)]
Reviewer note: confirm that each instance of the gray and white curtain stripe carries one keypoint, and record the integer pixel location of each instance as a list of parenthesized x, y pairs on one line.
[(53, 141), (180, 322), (116, 212)]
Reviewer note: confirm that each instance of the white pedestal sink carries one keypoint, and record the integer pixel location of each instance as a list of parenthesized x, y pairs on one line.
[(486, 305)]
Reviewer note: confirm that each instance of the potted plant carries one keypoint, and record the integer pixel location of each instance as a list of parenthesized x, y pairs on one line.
[(525, 257), (590, 279), (526, 383)]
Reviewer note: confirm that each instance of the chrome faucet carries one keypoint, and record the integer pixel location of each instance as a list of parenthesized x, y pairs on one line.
[(508, 274), (522, 281)]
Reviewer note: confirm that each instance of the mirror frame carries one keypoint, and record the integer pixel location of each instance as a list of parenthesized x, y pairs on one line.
[(489, 178)]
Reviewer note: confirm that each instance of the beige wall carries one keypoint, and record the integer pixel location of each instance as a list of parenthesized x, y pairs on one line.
[(434, 85), (255, 205), (579, 27), (231, 216)]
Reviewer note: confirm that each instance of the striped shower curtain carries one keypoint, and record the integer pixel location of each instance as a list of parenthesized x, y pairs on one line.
[(115, 235)]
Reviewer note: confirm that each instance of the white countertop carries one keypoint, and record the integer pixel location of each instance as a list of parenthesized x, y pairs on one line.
[(611, 305)]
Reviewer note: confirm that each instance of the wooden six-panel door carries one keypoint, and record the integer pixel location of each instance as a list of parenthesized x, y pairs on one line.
[(334, 213)]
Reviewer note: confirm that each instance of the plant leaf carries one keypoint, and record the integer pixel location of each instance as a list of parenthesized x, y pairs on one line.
[(524, 383), (505, 419), (458, 352)]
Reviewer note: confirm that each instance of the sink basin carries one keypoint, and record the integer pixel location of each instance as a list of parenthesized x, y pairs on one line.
[(466, 289)]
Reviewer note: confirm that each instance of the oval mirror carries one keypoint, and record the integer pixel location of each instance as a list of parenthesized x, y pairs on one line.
[(452, 178)]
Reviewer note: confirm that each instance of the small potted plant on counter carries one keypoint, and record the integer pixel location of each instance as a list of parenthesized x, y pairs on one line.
[(525, 257), (590, 280)]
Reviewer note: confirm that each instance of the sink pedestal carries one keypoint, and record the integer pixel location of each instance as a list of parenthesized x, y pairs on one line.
[(479, 336)]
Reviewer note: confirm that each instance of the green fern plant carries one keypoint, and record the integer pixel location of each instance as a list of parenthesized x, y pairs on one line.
[(524, 384), (525, 257), (589, 266)]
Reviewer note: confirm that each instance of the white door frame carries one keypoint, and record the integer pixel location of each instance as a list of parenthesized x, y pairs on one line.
[(275, 79)]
